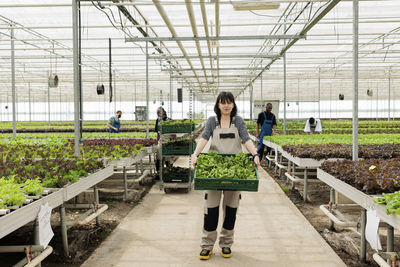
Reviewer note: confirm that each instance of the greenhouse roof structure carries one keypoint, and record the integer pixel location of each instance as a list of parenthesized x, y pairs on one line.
[(237, 44)]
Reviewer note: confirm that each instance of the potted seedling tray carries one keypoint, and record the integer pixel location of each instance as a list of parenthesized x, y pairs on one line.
[(228, 183), (176, 174), (178, 128), (178, 150)]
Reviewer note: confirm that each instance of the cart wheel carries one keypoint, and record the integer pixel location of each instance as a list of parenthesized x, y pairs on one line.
[(186, 190), (166, 190)]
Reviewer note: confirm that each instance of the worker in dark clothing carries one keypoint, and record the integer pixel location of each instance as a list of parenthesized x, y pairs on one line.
[(114, 124), (161, 116), (267, 121)]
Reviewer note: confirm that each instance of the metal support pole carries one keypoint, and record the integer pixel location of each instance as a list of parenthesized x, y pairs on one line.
[(147, 87), (298, 99), (363, 246), (182, 100), (14, 107), (377, 99), (170, 94), (30, 103), (37, 240), (390, 239), (63, 224), (115, 92), (355, 79), (135, 103), (332, 201), (389, 98), (319, 93), (305, 184), (48, 104), (110, 74), (251, 102), (80, 73), (97, 199), (284, 84), (125, 184), (60, 105), (76, 76)]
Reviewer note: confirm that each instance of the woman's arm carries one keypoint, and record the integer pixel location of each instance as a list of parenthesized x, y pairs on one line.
[(200, 146), (252, 149)]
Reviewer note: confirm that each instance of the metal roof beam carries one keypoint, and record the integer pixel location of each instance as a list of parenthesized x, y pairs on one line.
[(304, 31), (213, 38), (199, 69), (220, 56)]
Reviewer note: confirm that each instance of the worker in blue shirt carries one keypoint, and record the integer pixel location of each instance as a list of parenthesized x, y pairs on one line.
[(267, 121), (114, 124)]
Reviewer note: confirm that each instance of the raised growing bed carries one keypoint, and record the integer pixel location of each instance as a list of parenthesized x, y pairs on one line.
[(326, 151), (371, 176)]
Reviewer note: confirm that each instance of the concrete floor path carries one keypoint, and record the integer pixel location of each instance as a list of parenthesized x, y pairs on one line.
[(165, 229)]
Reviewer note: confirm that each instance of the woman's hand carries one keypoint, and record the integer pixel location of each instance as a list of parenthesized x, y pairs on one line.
[(257, 160), (194, 160)]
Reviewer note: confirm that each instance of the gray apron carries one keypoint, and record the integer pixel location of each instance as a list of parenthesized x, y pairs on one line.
[(226, 141)]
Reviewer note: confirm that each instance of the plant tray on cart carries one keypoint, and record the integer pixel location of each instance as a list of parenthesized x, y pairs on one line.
[(177, 128), (176, 174), (178, 150), (226, 172)]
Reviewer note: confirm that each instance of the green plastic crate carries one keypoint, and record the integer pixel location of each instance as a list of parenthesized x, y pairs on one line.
[(176, 128), (201, 183), (178, 150), (177, 178)]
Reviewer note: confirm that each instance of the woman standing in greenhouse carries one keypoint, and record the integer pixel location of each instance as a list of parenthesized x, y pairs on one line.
[(228, 132)]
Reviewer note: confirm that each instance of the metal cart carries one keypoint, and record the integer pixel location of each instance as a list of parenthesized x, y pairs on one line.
[(171, 185)]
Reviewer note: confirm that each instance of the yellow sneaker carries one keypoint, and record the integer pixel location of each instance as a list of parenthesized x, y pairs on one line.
[(226, 252), (205, 254)]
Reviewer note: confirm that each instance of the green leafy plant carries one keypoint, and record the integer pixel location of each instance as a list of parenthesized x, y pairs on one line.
[(212, 165), (33, 187), (392, 202), (11, 193)]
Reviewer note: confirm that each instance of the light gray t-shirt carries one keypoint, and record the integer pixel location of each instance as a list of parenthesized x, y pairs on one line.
[(112, 120), (211, 124)]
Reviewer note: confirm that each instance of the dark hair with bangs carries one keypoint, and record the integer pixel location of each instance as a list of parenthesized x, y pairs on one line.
[(224, 97)]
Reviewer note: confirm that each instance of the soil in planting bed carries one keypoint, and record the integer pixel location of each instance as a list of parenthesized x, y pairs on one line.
[(344, 241), (83, 240)]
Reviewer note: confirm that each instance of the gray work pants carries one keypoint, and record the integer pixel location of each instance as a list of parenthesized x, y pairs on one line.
[(211, 214)]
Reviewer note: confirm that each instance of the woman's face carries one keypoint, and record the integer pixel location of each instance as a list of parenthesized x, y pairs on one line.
[(226, 108)]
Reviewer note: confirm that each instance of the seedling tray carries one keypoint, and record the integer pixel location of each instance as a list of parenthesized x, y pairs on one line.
[(178, 150), (176, 177), (177, 128)]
